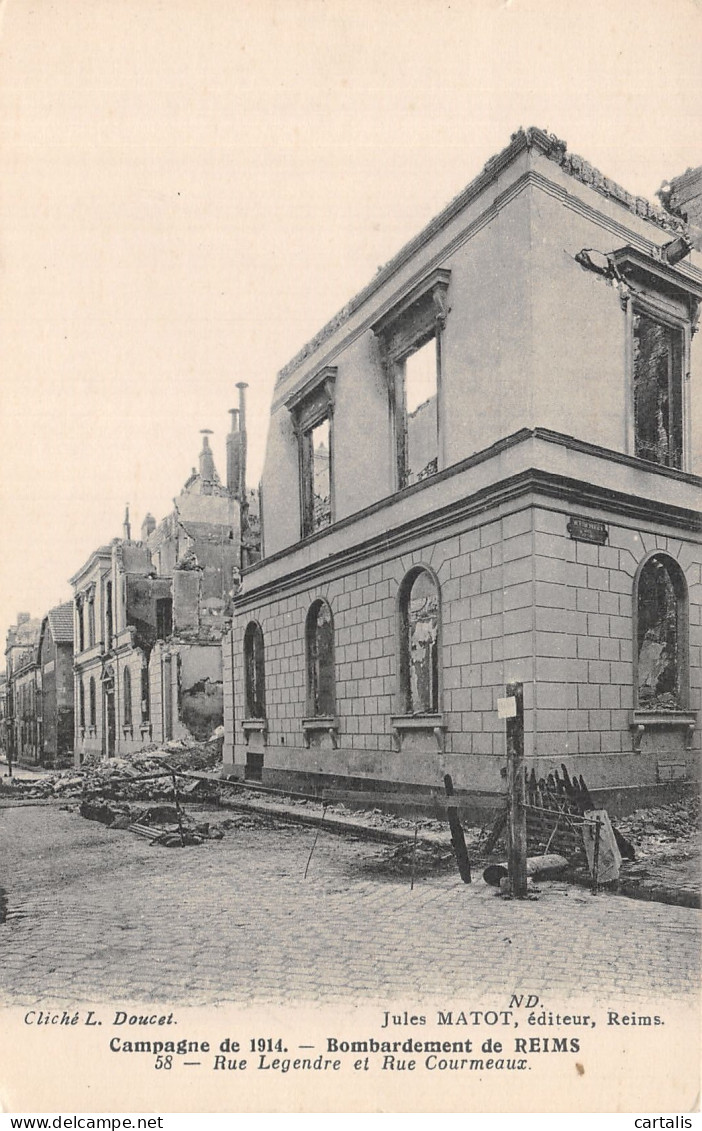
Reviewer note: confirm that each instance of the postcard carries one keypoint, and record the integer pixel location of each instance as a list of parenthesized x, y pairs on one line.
[(350, 713)]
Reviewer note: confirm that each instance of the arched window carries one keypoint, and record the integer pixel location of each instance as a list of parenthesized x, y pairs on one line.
[(127, 697), (254, 672), (661, 635), (319, 634), (91, 697), (419, 643)]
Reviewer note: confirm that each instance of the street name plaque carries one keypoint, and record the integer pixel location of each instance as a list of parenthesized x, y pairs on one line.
[(587, 530)]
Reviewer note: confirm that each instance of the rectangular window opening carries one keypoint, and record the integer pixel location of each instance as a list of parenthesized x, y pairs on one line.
[(658, 364), (145, 695), (164, 617), (318, 476), (421, 441)]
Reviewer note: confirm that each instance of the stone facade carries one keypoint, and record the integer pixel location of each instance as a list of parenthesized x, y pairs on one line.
[(520, 600), (56, 667), (23, 741), (554, 537), (149, 617)]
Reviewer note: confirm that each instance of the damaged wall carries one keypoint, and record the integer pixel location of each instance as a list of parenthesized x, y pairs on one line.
[(186, 600), (186, 691), (143, 612), (203, 582), (201, 691)]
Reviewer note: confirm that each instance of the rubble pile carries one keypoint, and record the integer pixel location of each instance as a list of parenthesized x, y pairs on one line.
[(166, 825), (665, 823), (138, 777)]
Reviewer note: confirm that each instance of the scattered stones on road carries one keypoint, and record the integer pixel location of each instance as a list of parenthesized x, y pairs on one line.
[(96, 914)]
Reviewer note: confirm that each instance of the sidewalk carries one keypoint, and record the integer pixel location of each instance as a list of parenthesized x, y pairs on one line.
[(271, 914), (680, 892), (22, 771), (653, 878)]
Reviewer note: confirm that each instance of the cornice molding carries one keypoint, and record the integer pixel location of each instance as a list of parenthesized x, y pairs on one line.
[(576, 445), (553, 149), (531, 178), (321, 381), (533, 481), (432, 286), (99, 557)]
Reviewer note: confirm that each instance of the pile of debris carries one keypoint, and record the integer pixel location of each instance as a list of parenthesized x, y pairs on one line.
[(649, 828), (145, 776), (668, 850), (167, 825), (116, 791)]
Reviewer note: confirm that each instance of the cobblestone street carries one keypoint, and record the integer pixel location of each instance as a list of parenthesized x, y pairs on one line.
[(94, 914)]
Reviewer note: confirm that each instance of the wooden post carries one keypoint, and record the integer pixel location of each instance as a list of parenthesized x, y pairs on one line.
[(414, 855), (596, 857), (458, 840), (515, 778)]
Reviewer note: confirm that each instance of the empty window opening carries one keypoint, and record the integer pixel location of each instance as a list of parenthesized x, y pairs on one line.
[(420, 420), (145, 695), (108, 614), (91, 699), (317, 476), (661, 632), (127, 697), (81, 702), (81, 625), (419, 644), (658, 364), (254, 672), (164, 617), (91, 621), (320, 660)]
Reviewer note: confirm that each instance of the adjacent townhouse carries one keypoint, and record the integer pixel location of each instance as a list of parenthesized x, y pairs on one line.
[(55, 705), (23, 691), (149, 613)]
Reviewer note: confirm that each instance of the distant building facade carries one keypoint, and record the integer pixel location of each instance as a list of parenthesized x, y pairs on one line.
[(149, 615), (484, 471), (55, 659), (23, 691), (4, 720)]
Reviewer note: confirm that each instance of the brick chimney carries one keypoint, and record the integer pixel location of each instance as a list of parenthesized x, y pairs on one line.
[(233, 454), (241, 487)]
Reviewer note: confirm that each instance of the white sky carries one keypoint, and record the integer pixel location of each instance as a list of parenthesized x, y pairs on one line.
[(191, 188)]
